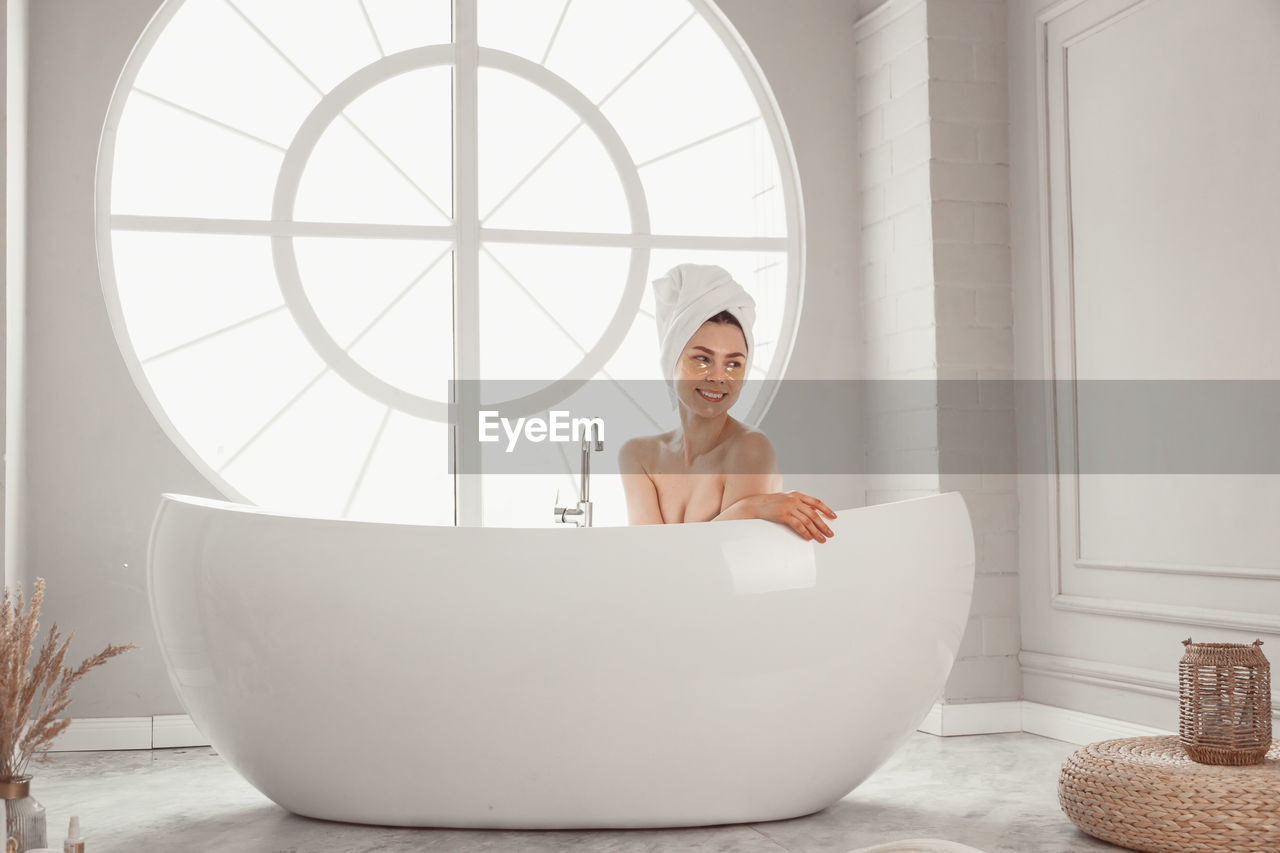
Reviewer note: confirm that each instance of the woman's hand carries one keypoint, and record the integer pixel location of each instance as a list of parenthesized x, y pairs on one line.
[(802, 513)]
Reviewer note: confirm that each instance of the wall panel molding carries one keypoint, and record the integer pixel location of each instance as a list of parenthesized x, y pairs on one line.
[(1209, 571), (1058, 28)]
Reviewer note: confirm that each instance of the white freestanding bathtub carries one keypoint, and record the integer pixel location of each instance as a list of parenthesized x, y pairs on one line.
[(669, 675)]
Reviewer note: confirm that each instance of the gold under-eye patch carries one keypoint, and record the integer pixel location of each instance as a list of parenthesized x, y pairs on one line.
[(698, 364)]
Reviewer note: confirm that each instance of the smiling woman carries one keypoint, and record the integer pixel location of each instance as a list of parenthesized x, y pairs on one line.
[(712, 467)]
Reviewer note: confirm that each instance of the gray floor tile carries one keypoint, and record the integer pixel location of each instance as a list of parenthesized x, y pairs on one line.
[(994, 792)]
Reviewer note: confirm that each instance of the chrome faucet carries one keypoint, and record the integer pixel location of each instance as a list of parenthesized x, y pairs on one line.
[(581, 516)]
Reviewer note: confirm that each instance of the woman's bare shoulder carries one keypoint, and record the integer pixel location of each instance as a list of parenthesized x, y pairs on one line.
[(641, 450), (750, 446)]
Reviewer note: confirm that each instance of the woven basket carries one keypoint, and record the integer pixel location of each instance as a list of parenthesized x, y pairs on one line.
[(1224, 692)]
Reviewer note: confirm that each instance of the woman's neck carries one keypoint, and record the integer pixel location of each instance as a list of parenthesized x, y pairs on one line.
[(699, 435)]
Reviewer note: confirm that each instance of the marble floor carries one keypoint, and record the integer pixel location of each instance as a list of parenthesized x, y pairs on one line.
[(994, 792)]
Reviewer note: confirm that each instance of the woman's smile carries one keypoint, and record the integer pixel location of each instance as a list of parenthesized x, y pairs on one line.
[(713, 396)]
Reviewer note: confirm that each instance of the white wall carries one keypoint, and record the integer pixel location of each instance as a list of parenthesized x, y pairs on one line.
[(1160, 263), (13, 262), (97, 460)]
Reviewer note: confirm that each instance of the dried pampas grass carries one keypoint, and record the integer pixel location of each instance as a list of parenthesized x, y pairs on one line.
[(30, 701)]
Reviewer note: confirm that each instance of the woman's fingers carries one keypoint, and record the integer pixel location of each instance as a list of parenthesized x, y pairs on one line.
[(812, 501), (817, 520), (810, 512), (798, 526), (802, 513), (811, 527), (820, 505), (800, 523)]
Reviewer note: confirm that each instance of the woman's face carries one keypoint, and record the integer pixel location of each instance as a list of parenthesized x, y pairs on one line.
[(711, 368)]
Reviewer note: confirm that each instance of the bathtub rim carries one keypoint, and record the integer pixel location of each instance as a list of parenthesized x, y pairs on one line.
[(283, 513)]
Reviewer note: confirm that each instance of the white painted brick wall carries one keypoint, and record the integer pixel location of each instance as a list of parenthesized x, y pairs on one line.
[(871, 204), (973, 345), (969, 189), (970, 20), (975, 182), (953, 221), (907, 189), (951, 59), (907, 110), (991, 224), (994, 308), (877, 241), (1000, 636), (909, 269), (978, 265), (955, 307), (873, 91), (870, 129), (903, 31), (960, 100), (954, 141), (913, 229), (914, 309), (936, 291), (911, 149), (1001, 550), (983, 679), (909, 68), (992, 62), (876, 167), (993, 144)]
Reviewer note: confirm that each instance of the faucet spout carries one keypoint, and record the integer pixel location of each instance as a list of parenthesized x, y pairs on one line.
[(581, 516)]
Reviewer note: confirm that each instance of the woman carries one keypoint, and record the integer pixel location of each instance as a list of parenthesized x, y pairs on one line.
[(711, 467)]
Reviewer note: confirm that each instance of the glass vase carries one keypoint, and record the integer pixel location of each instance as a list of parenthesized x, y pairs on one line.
[(23, 816)]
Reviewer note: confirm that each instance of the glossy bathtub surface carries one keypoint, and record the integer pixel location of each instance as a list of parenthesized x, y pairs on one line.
[(668, 675)]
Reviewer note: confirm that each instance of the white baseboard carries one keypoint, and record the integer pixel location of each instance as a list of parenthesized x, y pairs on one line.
[(1079, 727), (985, 718), (166, 731), (173, 730), (104, 733), (112, 733)]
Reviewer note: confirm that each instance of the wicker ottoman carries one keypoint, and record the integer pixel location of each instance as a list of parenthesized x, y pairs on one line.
[(1144, 793)]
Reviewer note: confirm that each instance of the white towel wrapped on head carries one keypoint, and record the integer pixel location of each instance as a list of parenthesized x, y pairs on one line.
[(690, 295)]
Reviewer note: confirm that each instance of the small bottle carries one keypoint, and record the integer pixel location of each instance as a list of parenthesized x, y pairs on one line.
[(74, 843)]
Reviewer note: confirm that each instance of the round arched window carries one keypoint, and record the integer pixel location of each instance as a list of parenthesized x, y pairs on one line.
[(314, 214)]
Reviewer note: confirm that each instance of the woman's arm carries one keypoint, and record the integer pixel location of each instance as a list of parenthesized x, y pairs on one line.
[(755, 492), (641, 493), (751, 469)]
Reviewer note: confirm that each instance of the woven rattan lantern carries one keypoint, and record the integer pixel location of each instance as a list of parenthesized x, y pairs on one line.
[(1224, 692)]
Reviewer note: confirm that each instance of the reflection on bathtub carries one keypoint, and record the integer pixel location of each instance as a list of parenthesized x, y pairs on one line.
[(770, 566)]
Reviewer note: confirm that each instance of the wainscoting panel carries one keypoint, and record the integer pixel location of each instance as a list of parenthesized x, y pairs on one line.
[(1154, 179)]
